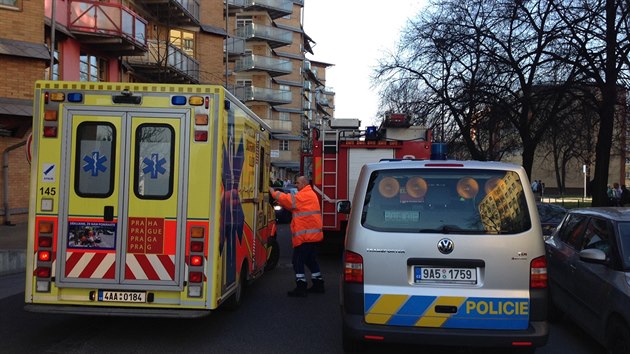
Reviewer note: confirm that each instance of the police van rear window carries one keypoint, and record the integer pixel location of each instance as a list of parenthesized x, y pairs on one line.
[(446, 201)]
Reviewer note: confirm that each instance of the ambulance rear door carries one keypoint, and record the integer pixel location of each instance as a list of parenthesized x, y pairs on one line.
[(121, 224)]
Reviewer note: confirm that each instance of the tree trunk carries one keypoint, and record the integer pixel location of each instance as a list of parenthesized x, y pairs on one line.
[(606, 111)]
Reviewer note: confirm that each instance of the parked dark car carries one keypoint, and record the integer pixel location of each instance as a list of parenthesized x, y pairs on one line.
[(283, 216), (588, 263), (550, 216)]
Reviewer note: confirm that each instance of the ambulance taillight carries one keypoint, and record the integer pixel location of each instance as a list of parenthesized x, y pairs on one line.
[(195, 261), (44, 256), (50, 124)]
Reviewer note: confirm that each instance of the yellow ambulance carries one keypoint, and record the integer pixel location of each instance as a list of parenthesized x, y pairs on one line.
[(145, 199)]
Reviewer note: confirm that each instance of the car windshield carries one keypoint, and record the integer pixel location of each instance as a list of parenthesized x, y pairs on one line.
[(624, 241), (550, 213), (446, 201)]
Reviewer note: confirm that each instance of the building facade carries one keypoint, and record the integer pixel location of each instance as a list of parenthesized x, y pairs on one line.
[(254, 48)]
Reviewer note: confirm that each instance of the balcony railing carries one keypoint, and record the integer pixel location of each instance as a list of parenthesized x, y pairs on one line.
[(167, 63), (279, 126), (174, 12), (273, 66), (234, 47), (275, 8), (98, 22), (271, 96), (275, 37)]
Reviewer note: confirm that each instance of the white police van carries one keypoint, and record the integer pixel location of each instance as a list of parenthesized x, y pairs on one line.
[(444, 253)]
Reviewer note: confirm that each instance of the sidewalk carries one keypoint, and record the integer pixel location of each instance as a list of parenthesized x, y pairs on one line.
[(13, 248)]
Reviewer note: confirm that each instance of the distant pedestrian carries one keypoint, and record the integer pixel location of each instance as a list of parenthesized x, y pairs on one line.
[(535, 186), (625, 196)]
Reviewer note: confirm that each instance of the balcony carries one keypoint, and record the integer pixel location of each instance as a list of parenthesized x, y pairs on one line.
[(174, 12), (322, 100), (234, 47), (273, 66), (262, 94), (165, 63), (275, 37), (108, 26), (279, 126), (275, 8)]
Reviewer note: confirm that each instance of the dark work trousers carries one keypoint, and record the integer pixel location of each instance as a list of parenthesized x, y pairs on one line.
[(305, 254)]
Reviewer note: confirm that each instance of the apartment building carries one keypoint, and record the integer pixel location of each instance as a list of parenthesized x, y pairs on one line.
[(255, 48)]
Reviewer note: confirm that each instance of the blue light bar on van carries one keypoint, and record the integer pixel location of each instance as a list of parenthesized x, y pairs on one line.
[(75, 97), (178, 100)]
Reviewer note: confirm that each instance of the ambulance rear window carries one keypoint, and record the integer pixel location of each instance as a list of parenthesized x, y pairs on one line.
[(154, 161), (94, 169)]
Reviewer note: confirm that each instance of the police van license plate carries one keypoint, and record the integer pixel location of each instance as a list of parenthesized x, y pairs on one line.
[(446, 275), (122, 296)]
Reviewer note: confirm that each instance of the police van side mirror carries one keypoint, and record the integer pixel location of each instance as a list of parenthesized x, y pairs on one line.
[(343, 207)]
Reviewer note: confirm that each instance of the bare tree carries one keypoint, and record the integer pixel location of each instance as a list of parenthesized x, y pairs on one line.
[(597, 44), (484, 62)]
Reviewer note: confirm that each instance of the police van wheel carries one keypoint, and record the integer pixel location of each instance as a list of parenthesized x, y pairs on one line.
[(350, 345), (237, 298)]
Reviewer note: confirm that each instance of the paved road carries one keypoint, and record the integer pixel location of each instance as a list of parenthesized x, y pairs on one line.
[(268, 322)]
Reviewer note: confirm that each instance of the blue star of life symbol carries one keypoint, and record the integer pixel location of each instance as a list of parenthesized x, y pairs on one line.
[(154, 165), (94, 163)]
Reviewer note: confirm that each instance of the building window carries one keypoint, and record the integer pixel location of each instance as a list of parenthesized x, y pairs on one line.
[(243, 83), (11, 3), (184, 41), (92, 68), (284, 145), (284, 116), (243, 21)]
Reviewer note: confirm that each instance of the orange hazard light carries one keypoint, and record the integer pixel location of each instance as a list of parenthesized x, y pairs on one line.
[(196, 232), (45, 227)]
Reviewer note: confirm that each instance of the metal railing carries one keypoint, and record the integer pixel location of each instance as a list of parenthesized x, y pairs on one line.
[(107, 18)]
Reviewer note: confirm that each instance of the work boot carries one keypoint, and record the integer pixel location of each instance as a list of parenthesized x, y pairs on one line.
[(318, 286), (299, 291)]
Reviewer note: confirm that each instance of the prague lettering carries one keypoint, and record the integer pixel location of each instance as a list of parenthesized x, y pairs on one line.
[(145, 235)]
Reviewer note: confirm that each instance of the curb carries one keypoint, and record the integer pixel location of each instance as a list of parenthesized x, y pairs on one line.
[(12, 261)]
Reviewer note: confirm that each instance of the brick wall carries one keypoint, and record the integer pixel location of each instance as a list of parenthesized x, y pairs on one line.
[(18, 172)]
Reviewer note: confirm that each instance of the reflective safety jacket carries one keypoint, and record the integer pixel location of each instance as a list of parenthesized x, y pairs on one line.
[(306, 223)]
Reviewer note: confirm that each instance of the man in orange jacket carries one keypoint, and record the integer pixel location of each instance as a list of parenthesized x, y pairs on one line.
[(306, 231)]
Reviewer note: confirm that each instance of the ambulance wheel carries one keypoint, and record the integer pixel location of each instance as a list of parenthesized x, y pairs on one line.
[(274, 255), (237, 297)]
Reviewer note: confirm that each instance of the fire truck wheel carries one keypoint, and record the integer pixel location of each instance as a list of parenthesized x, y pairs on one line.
[(274, 255), (237, 298)]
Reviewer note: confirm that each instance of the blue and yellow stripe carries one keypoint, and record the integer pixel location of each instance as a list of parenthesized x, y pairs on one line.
[(471, 312)]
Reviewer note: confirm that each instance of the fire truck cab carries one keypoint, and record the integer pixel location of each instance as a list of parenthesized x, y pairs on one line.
[(339, 150)]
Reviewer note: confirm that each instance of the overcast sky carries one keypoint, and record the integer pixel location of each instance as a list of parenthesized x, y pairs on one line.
[(353, 35)]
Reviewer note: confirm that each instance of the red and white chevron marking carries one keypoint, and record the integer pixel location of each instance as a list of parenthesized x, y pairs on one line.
[(90, 265), (150, 267)]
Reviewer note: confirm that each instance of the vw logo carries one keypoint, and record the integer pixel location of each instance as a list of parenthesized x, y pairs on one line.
[(445, 246)]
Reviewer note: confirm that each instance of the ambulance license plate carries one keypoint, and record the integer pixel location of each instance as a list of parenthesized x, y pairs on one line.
[(446, 275), (122, 296)]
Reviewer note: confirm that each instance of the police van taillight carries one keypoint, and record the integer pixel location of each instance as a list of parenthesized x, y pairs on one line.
[(353, 267), (538, 273), (43, 272), (196, 261)]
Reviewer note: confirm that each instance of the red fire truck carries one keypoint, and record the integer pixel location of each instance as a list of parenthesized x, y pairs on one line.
[(339, 150)]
